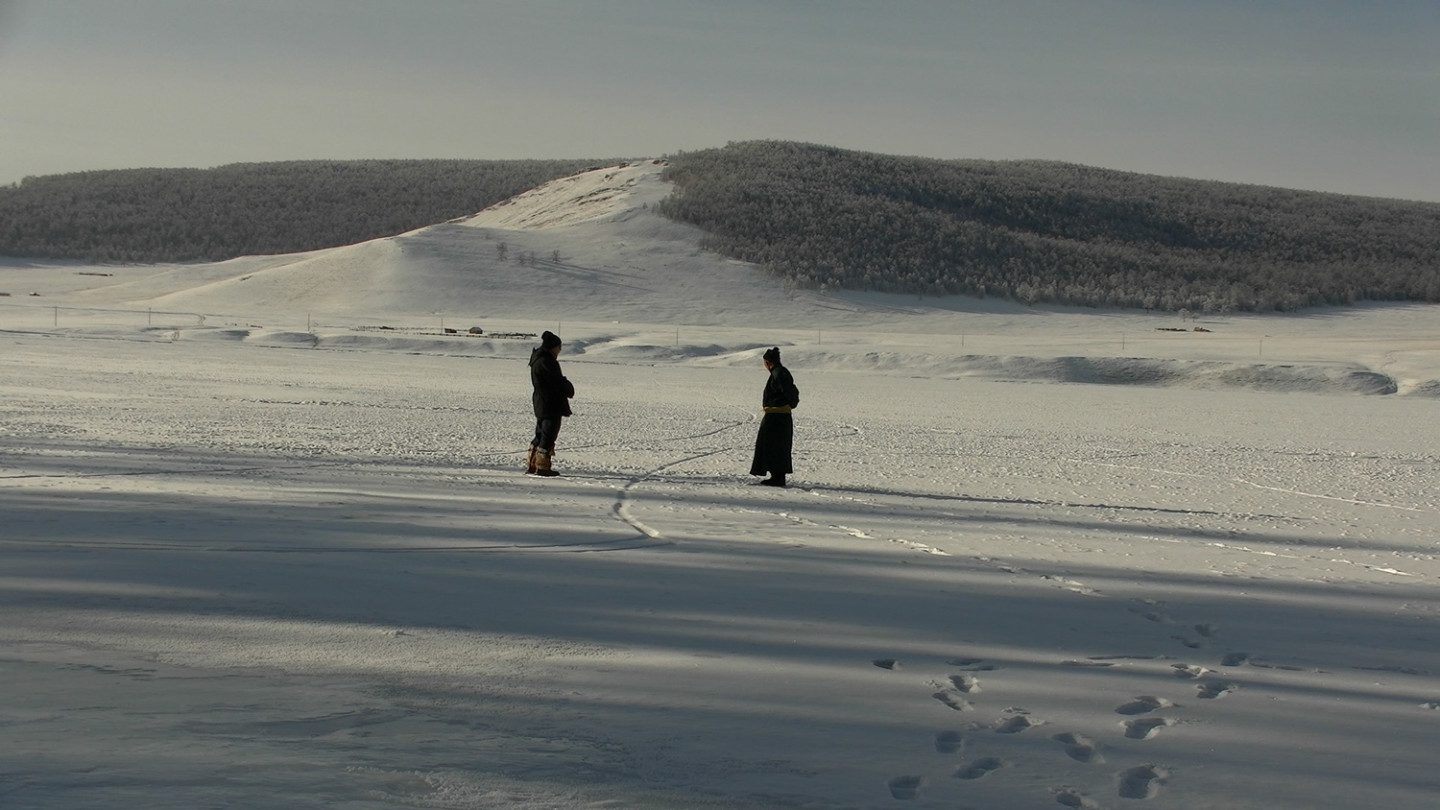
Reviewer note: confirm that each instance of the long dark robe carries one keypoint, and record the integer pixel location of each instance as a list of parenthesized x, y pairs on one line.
[(773, 444), (776, 438)]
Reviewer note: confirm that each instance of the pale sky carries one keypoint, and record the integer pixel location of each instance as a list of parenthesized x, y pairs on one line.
[(1311, 94)]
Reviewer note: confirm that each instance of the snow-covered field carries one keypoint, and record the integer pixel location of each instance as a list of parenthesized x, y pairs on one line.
[(264, 539)]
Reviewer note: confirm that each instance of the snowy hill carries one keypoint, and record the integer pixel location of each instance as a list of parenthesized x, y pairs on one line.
[(590, 251), (588, 255)]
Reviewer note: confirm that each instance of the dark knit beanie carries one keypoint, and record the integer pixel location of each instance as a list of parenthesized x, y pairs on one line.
[(773, 355), (549, 340)]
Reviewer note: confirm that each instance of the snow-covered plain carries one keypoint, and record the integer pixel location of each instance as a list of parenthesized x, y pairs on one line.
[(264, 541)]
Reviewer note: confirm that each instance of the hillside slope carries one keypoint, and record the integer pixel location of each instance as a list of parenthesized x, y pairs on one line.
[(1035, 231), (584, 247), (166, 215)]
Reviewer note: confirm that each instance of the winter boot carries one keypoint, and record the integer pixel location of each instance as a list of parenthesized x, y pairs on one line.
[(775, 480), (530, 462), (542, 462)]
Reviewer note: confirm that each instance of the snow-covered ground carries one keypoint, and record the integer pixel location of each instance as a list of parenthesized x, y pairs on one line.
[(264, 541)]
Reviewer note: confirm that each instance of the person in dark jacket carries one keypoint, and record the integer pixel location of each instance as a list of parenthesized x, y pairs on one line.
[(552, 402), (776, 437)]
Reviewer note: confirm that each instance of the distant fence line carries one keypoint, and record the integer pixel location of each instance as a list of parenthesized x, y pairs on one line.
[(56, 313), (679, 337)]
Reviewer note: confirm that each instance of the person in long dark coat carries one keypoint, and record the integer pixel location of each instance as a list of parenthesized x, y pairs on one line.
[(552, 403), (776, 437)]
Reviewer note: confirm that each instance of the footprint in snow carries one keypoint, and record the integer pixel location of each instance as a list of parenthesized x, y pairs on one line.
[(1214, 690), (1190, 671), (1151, 611), (980, 768), (906, 787), (1070, 797), (1142, 782), (969, 684), (954, 700), (1188, 642), (886, 663), (1203, 632), (1146, 727), (1079, 747), (1074, 586), (949, 742), (1143, 705), (1016, 724)]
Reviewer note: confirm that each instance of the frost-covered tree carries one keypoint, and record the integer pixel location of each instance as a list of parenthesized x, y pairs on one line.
[(1040, 231), (251, 208)]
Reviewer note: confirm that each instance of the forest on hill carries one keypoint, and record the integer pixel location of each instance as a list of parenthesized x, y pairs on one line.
[(1038, 231), (816, 216), (243, 209)]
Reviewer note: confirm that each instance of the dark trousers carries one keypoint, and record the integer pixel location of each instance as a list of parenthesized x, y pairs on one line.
[(772, 445), (546, 429)]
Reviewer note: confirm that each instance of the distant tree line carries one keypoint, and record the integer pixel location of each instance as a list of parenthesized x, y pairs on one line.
[(1038, 231), (153, 215)]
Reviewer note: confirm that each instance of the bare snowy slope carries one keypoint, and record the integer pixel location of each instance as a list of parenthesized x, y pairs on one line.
[(581, 248)]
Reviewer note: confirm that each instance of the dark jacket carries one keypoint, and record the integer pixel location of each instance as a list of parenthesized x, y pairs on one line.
[(552, 391), (780, 390)]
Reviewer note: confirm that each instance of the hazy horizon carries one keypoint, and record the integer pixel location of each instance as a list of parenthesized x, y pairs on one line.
[(1326, 97)]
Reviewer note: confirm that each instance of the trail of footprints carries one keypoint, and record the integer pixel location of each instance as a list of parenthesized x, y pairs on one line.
[(958, 693)]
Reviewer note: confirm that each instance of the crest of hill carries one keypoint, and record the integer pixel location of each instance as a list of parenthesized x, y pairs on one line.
[(590, 196), (1036, 231), (584, 247)]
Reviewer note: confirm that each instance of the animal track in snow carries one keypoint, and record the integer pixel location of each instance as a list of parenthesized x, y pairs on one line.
[(906, 787), (980, 768), (950, 742), (1214, 690), (1142, 782), (1143, 705), (1079, 747), (954, 700), (1146, 727)]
